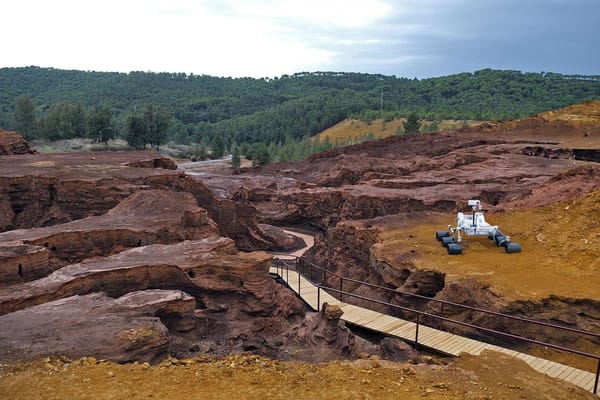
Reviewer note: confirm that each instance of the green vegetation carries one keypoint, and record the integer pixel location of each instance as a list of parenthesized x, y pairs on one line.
[(150, 128), (235, 159), (281, 112), (412, 124)]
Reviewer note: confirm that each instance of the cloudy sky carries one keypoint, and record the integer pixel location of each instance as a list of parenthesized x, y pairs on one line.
[(266, 38)]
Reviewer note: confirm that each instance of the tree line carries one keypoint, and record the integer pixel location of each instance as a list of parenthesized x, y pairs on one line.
[(155, 108)]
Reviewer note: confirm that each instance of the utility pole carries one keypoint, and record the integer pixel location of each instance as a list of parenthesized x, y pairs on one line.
[(381, 103)]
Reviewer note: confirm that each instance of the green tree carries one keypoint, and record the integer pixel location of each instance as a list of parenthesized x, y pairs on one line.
[(236, 162), (137, 132), (433, 127), (157, 122), (412, 124), (64, 121), (259, 154), (100, 126), (217, 146), (24, 117), (199, 152)]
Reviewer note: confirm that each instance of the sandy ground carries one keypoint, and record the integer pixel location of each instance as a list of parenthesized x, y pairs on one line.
[(560, 256), (486, 377)]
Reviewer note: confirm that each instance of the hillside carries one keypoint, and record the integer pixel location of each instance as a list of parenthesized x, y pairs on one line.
[(271, 110), (349, 130)]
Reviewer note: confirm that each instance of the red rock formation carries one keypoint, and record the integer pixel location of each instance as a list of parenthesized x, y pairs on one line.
[(323, 336), (238, 306), (211, 269), (57, 188), (145, 217), (131, 327), (19, 262), (13, 143)]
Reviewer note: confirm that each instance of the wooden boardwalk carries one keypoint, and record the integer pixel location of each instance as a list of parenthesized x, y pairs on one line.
[(433, 339)]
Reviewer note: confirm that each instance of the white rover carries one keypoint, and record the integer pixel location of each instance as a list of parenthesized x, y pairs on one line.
[(474, 225)]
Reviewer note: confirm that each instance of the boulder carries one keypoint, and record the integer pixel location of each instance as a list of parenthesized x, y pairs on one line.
[(128, 328), (323, 336), (396, 350)]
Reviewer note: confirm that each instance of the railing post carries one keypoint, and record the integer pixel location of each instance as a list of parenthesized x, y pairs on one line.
[(287, 273), (597, 375), (298, 283), (417, 332), (318, 298), (442, 309), (341, 287)]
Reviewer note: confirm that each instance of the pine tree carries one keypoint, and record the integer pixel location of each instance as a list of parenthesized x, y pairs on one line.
[(235, 159), (412, 124), (217, 146), (24, 117)]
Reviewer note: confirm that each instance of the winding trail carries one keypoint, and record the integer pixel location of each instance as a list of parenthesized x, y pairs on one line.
[(308, 239)]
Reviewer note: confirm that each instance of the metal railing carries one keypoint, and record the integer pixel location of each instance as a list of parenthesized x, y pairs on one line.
[(302, 267)]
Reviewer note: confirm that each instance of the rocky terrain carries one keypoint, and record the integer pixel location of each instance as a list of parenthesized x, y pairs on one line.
[(123, 256), (13, 143), (490, 376), (376, 207), (120, 255)]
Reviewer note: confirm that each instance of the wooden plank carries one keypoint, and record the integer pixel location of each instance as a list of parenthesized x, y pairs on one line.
[(567, 373), (554, 369), (394, 325), (473, 347), (543, 366), (579, 377), (448, 342), (455, 347), (585, 378), (405, 331), (428, 337)]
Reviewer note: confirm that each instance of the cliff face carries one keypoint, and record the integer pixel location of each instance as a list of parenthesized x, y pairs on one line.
[(45, 190), (145, 217)]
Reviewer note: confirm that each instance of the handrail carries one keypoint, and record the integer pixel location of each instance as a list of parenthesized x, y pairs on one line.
[(450, 303), (419, 313)]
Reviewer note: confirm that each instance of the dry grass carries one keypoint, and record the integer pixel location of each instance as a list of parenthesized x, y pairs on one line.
[(353, 129)]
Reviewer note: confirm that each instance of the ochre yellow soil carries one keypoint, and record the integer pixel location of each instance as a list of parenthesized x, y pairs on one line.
[(581, 113), (350, 129), (490, 376), (560, 256)]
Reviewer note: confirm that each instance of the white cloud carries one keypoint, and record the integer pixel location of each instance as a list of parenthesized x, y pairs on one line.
[(176, 35), (272, 37)]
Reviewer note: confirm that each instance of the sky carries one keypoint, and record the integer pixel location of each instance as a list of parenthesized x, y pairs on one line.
[(268, 38)]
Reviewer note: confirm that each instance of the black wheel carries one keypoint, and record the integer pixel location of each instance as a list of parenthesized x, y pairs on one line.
[(441, 234), (512, 248), (501, 240), (447, 240), (454, 248)]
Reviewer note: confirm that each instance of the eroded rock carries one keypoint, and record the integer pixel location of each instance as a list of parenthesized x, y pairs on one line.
[(131, 327), (12, 143), (211, 269), (324, 336), (145, 217)]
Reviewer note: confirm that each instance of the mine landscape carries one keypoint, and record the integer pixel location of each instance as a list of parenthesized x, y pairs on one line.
[(124, 274)]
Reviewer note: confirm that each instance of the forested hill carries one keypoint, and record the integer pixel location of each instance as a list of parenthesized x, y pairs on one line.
[(269, 110)]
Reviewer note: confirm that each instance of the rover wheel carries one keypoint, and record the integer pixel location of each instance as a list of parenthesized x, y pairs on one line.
[(454, 248)]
